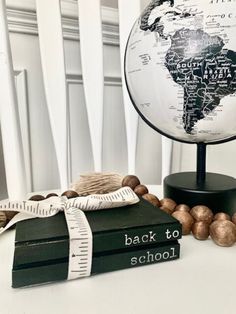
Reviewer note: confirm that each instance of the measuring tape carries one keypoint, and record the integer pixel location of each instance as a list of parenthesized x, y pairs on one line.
[(81, 244), (80, 234)]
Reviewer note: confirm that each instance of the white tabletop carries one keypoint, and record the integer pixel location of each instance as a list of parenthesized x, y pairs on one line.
[(202, 281)]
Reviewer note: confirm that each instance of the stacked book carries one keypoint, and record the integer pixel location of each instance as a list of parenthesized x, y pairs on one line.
[(125, 237)]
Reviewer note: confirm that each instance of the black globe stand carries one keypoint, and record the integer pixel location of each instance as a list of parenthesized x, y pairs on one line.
[(216, 191)]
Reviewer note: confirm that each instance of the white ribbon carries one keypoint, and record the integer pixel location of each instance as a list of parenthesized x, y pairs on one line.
[(80, 235), (81, 244)]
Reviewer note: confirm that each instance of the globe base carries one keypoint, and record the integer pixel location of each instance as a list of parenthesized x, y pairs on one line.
[(217, 191)]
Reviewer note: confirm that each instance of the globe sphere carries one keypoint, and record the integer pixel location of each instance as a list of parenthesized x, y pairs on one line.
[(180, 69)]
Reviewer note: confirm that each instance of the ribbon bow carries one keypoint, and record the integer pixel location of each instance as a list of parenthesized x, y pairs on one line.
[(51, 206)]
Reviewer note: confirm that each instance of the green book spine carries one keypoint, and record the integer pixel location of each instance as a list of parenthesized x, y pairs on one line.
[(51, 271), (39, 251), (138, 236)]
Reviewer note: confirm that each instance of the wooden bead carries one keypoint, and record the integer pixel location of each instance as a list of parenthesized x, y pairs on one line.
[(185, 219), (151, 199), (10, 214), (234, 218), (3, 219), (51, 194), (223, 232), (166, 209), (169, 203), (70, 194), (182, 208), (131, 181), (202, 213), (140, 190), (221, 216), (200, 230), (37, 198)]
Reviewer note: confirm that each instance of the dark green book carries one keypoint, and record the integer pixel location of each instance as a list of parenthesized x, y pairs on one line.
[(56, 270), (136, 225), (43, 243)]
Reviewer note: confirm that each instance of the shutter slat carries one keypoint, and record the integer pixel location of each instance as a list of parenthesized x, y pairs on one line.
[(10, 127), (54, 75), (91, 46), (129, 11)]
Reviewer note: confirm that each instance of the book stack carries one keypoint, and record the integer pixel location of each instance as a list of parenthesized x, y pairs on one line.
[(125, 237)]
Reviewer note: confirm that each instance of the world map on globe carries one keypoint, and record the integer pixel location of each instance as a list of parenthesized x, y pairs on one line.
[(181, 68)]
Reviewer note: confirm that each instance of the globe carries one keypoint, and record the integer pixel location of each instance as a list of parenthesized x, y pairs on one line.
[(180, 69)]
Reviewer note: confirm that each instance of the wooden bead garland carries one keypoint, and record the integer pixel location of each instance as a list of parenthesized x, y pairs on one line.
[(152, 199), (131, 181), (37, 198), (166, 209), (234, 218), (223, 232), (200, 220), (6, 216), (202, 213), (140, 190), (221, 216), (169, 203), (183, 207), (70, 194), (3, 219), (200, 230), (51, 195), (185, 219)]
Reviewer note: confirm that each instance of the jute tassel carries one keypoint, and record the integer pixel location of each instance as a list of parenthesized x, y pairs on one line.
[(97, 183)]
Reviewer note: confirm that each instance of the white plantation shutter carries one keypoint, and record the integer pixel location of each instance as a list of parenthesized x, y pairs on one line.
[(54, 74), (9, 118), (52, 54)]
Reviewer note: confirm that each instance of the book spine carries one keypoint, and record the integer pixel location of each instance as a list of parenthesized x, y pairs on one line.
[(102, 242), (135, 237), (134, 258), (57, 270)]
